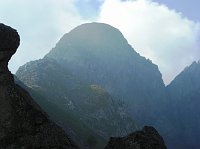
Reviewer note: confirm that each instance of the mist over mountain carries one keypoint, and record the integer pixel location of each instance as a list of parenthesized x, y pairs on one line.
[(87, 112), (99, 54), (95, 74), (93, 77)]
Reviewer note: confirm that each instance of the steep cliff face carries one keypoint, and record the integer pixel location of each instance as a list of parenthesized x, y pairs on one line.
[(184, 95), (97, 53), (22, 123), (92, 113), (147, 138)]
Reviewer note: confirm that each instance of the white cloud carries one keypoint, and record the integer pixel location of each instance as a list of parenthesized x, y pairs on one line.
[(156, 32), (40, 25)]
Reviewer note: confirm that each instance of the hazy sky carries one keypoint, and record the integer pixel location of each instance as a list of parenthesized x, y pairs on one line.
[(165, 31)]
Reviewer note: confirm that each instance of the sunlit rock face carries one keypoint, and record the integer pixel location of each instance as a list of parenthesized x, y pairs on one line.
[(22, 123)]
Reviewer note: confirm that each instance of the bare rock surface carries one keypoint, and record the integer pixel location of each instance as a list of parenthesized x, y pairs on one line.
[(147, 138), (23, 125)]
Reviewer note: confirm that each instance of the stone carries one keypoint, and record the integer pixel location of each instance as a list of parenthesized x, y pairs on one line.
[(23, 124), (10, 41), (147, 138)]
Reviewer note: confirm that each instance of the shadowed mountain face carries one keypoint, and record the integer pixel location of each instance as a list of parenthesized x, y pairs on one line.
[(184, 95), (87, 112), (94, 74), (99, 54), (93, 77), (22, 123)]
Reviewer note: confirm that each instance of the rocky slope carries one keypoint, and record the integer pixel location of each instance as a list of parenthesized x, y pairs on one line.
[(94, 65), (22, 123), (92, 114), (95, 58), (99, 54), (147, 138), (184, 95)]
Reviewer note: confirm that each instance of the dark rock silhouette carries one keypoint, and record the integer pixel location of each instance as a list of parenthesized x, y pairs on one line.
[(148, 138), (9, 42), (22, 123)]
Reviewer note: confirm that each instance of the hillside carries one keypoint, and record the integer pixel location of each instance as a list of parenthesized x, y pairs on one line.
[(85, 111)]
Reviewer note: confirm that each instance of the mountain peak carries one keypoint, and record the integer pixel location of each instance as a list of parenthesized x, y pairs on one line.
[(98, 53), (94, 30), (94, 34)]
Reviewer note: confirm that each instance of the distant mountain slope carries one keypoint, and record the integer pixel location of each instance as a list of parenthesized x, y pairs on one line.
[(97, 53), (22, 122), (184, 95), (88, 110), (187, 82), (95, 75), (80, 133)]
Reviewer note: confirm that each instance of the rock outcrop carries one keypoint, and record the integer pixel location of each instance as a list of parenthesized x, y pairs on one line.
[(9, 42), (22, 123), (148, 138)]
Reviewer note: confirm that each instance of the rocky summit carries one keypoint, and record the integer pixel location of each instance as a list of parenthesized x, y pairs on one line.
[(147, 138), (22, 123)]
